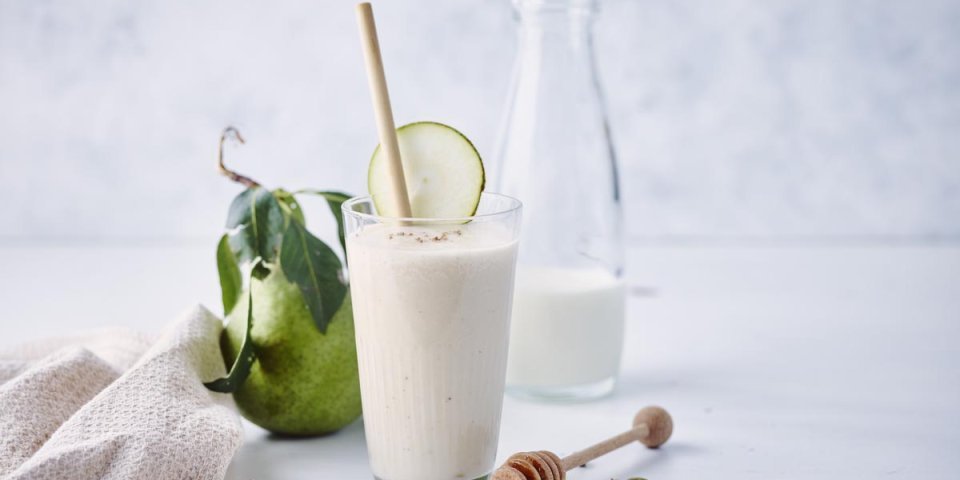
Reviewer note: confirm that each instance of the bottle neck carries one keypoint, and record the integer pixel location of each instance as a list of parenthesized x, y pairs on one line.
[(567, 23)]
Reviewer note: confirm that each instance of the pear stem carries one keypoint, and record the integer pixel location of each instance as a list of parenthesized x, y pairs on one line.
[(232, 133)]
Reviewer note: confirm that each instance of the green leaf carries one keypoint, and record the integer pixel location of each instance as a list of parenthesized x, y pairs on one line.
[(316, 270), (241, 365), (289, 205), (231, 282), (255, 228), (334, 201)]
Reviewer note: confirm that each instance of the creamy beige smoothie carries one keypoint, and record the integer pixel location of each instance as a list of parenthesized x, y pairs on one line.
[(432, 309)]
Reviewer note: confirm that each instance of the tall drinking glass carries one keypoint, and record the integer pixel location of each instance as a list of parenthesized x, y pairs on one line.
[(432, 302)]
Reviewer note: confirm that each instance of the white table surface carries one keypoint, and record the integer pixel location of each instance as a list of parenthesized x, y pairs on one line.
[(776, 362)]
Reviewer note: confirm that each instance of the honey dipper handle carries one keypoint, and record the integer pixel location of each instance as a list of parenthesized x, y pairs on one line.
[(576, 459), (652, 426)]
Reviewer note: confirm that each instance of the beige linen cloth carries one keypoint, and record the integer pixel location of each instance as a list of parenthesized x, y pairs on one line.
[(118, 405)]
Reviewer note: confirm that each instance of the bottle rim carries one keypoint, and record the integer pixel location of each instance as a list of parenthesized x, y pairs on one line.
[(590, 6)]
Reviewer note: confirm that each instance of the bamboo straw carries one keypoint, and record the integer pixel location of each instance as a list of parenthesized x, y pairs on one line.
[(381, 107)]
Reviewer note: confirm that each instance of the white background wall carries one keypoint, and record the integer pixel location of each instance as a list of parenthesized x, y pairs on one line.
[(739, 119)]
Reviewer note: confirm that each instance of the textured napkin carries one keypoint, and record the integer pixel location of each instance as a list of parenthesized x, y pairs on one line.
[(118, 405)]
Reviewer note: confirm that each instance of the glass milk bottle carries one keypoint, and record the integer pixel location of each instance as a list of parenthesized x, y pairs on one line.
[(556, 156)]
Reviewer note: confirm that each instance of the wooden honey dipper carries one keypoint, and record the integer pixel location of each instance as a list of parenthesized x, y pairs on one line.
[(652, 427)]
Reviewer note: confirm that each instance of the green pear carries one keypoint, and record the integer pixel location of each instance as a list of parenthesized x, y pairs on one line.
[(303, 382)]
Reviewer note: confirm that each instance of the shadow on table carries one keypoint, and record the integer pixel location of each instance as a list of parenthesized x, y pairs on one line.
[(658, 459), (267, 456), (661, 382)]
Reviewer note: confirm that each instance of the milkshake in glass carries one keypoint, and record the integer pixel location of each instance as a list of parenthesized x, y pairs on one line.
[(432, 303)]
